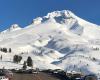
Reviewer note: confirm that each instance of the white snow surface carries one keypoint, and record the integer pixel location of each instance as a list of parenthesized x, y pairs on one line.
[(60, 40)]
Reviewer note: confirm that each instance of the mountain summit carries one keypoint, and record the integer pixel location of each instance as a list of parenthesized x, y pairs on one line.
[(71, 22), (60, 40)]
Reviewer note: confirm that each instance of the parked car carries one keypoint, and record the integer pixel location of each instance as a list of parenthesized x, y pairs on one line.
[(5, 74), (3, 78), (90, 77), (79, 76), (22, 71)]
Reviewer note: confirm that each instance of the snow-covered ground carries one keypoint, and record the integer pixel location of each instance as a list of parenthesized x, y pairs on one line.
[(58, 40)]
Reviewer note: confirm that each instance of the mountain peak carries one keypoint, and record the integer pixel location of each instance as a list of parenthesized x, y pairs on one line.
[(54, 17), (65, 13), (61, 17)]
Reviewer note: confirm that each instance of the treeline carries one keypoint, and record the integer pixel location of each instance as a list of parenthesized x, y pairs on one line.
[(28, 62), (17, 58), (6, 50)]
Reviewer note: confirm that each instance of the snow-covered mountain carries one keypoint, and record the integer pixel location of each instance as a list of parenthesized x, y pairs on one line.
[(12, 28), (58, 40)]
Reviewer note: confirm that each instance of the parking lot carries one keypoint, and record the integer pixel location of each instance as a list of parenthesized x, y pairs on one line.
[(39, 76)]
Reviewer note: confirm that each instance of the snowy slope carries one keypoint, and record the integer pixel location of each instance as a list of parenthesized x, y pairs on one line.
[(58, 40), (12, 28)]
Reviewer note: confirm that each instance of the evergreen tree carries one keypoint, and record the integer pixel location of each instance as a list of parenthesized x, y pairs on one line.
[(24, 65), (10, 50), (0, 49), (17, 58), (1, 57), (4, 50), (29, 62)]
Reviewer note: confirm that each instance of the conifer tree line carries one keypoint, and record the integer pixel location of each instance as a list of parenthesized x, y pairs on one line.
[(17, 58), (29, 62), (6, 50)]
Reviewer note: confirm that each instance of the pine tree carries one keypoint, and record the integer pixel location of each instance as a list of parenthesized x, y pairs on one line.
[(10, 50), (1, 49), (24, 65), (4, 50), (1, 57), (29, 62), (17, 59)]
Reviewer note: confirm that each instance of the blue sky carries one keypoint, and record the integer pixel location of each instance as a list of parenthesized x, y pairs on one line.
[(23, 11)]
